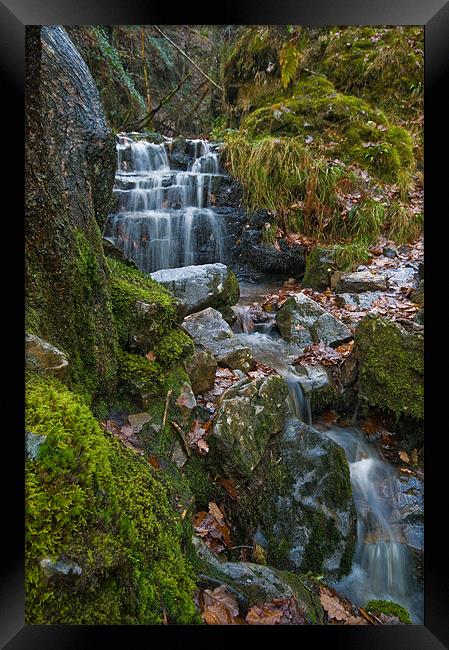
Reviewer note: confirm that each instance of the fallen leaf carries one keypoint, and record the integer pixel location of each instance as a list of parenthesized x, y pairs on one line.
[(278, 612), (150, 355), (219, 607), (229, 486), (404, 456)]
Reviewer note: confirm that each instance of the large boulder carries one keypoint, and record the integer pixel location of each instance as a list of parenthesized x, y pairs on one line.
[(303, 321), (209, 329), (198, 287), (251, 411), (391, 366), (254, 584), (41, 356), (310, 525), (361, 281)]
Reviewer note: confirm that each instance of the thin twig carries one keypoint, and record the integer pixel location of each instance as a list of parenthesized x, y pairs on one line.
[(164, 419), (187, 57), (183, 438)]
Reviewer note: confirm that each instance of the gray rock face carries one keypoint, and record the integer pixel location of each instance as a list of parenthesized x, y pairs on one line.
[(44, 357), (201, 369), (111, 250), (303, 321), (200, 286), (411, 511), (60, 568), (251, 411), (209, 329), (363, 300), (33, 443), (253, 583), (313, 520), (361, 281)]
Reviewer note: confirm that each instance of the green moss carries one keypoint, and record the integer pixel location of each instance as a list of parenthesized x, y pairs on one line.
[(94, 502), (319, 264), (174, 347), (137, 330), (67, 304), (389, 608), (393, 381)]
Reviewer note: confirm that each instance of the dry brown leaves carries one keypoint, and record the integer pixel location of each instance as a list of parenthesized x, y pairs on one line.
[(323, 354), (196, 435), (339, 611), (125, 434), (220, 607), (229, 485), (278, 612), (211, 527)]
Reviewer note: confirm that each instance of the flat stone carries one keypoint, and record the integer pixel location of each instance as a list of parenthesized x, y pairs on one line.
[(364, 300), (361, 281), (41, 356), (200, 286), (209, 329)]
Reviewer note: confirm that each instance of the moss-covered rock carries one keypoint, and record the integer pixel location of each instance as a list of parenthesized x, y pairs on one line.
[(320, 262), (250, 412), (256, 584), (299, 504), (391, 367), (143, 310), (337, 125), (95, 505), (389, 608)]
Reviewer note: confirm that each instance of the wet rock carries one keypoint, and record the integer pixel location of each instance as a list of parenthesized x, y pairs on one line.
[(201, 369), (60, 568), (402, 276), (361, 281), (253, 583), (209, 329), (411, 516), (111, 250), (389, 251), (41, 356), (311, 523), (363, 300), (33, 442), (391, 366), (198, 287), (320, 263), (250, 412), (303, 321)]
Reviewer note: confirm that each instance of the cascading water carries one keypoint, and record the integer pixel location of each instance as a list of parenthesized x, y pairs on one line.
[(165, 219), (382, 566)]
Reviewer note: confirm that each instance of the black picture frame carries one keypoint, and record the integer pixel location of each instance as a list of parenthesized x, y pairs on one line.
[(14, 15)]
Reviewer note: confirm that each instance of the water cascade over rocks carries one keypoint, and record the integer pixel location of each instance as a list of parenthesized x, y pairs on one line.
[(382, 566), (165, 219)]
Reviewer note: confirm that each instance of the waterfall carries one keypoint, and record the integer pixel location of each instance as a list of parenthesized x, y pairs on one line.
[(382, 566), (165, 218)]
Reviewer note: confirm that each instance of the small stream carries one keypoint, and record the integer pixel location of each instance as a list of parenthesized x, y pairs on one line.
[(382, 567), (165, 220)]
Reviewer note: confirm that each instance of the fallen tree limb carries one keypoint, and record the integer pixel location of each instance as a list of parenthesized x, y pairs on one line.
[(148, 118)]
